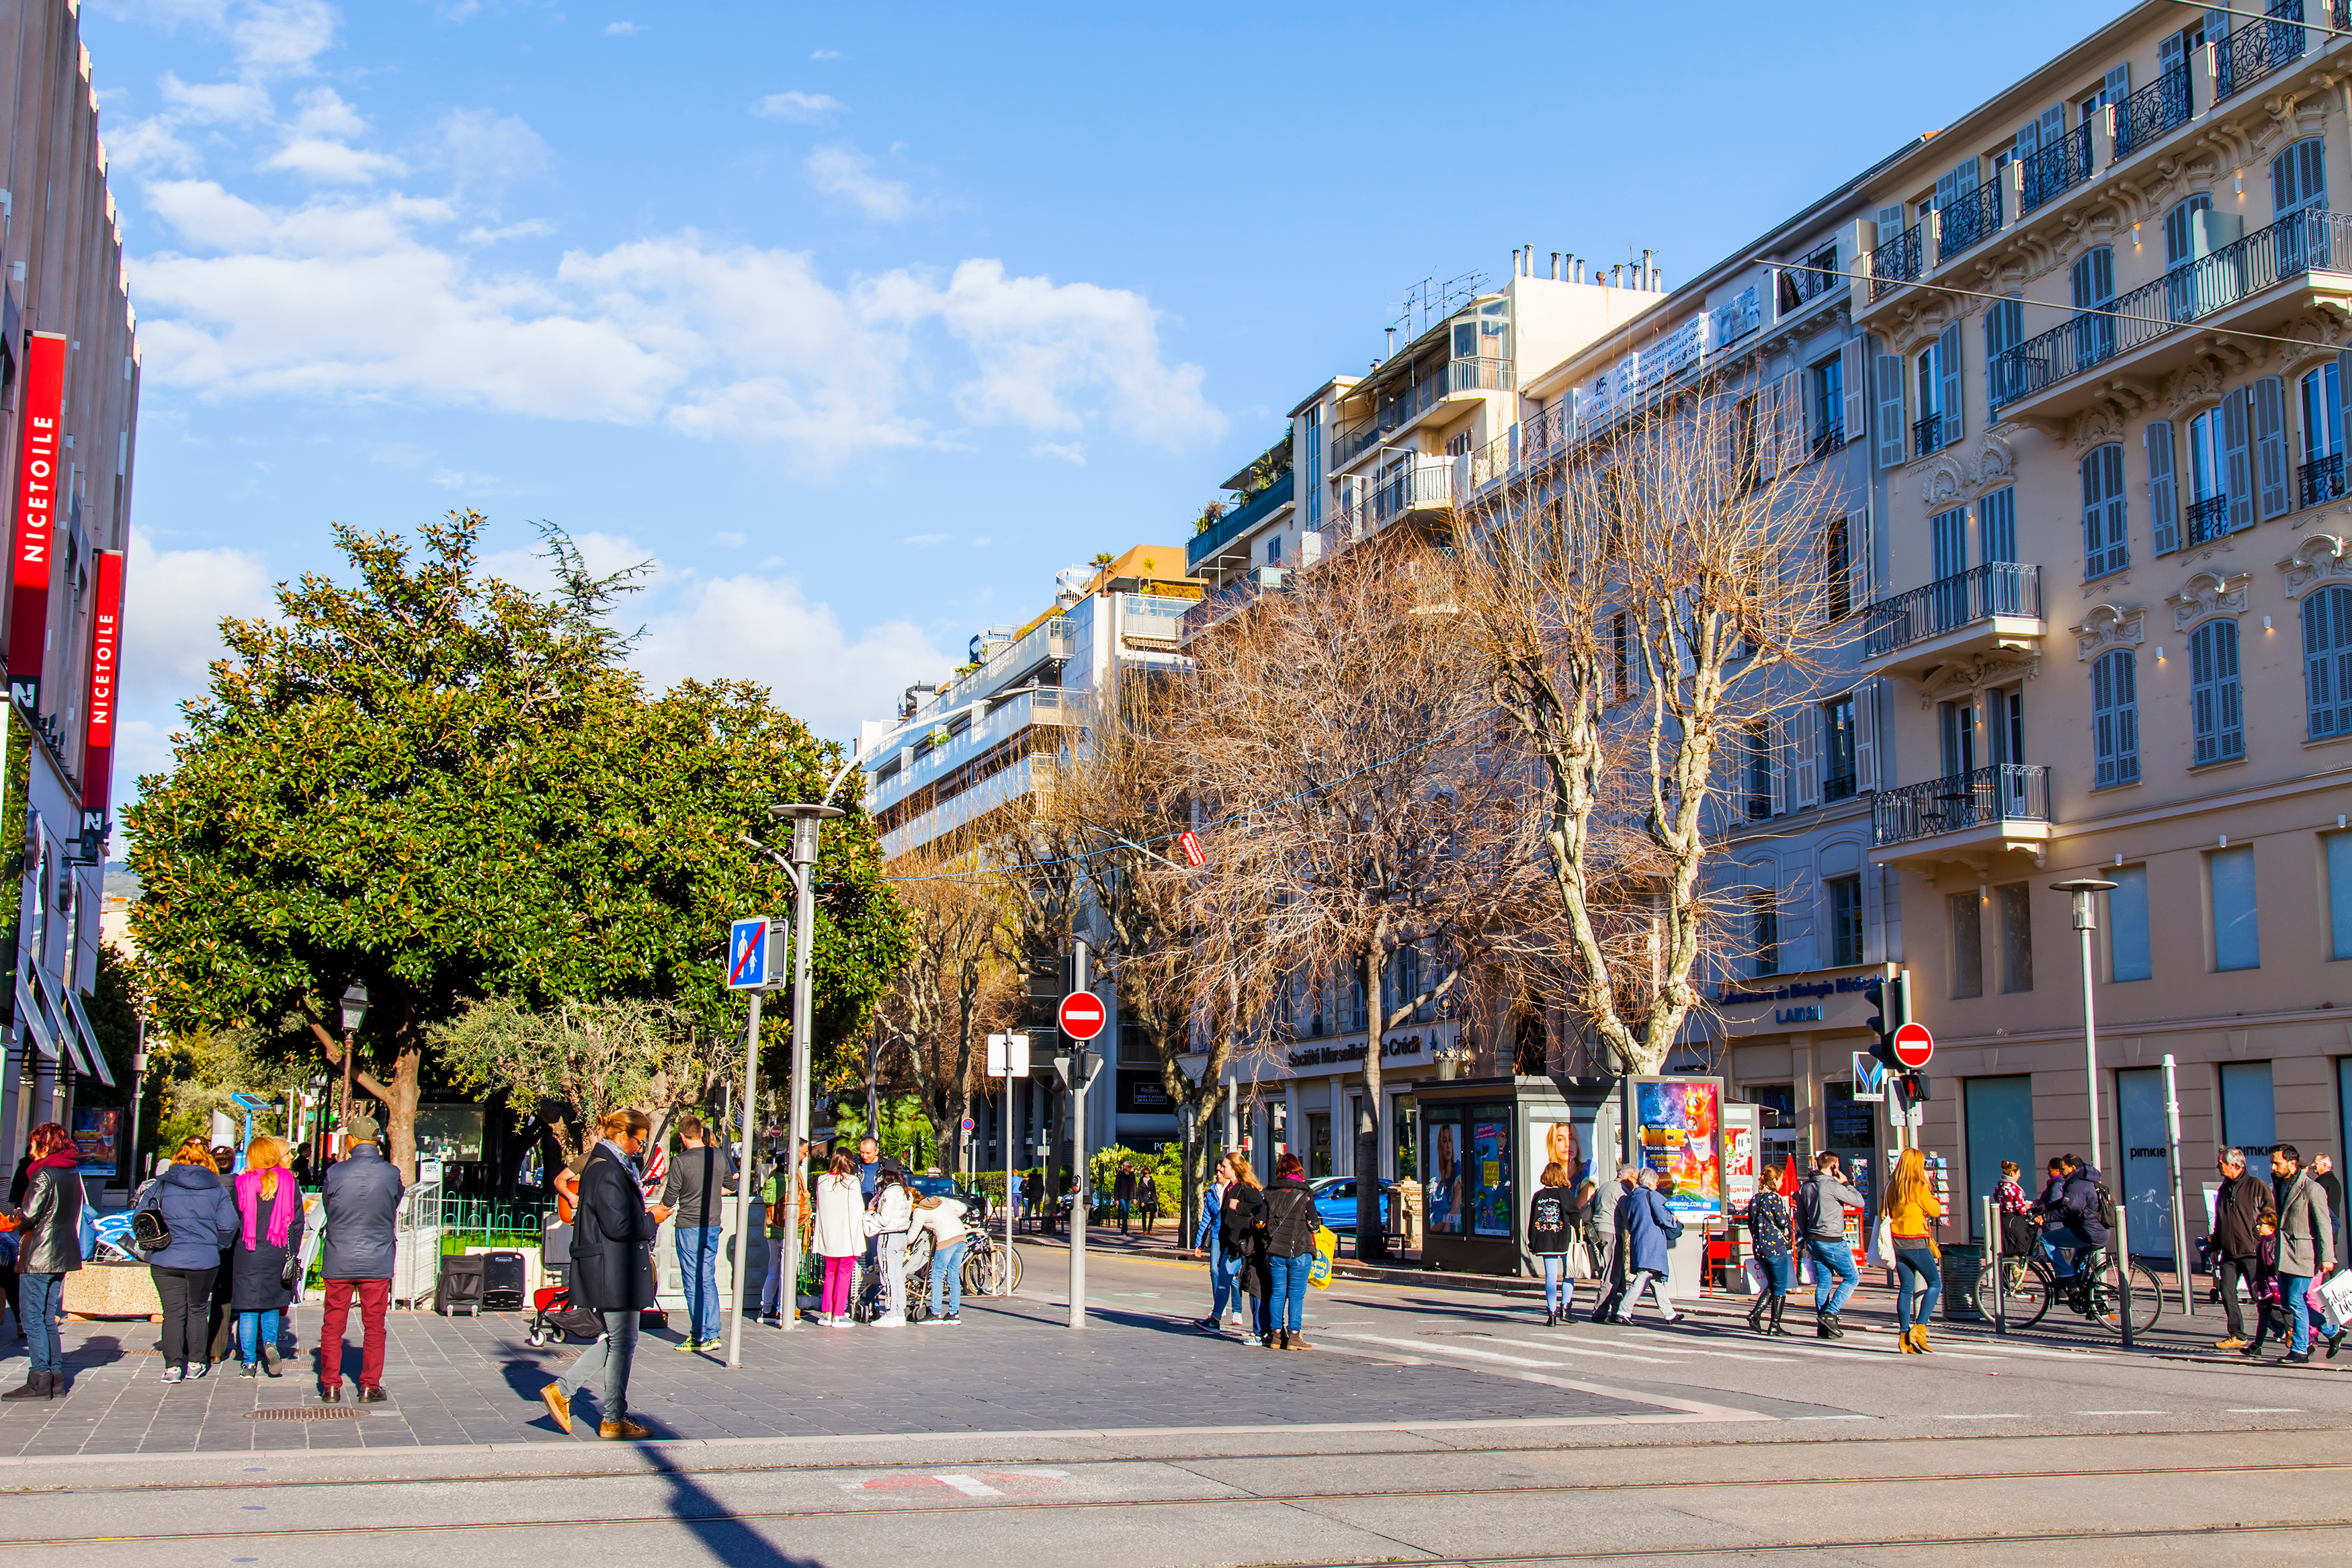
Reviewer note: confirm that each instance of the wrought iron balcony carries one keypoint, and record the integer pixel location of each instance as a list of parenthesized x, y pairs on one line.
[(2258, 49), (1895, 264), (1965, 221), (1832, 437), (1433, 382), (1421, 485), (2151, 112), (1240, 520), (1808, 280), (1990, 797), (2059, 166), (1837, 787), (1997, 590), (2207, 518), (1926, 434), (2309, 241), (2322, 479)]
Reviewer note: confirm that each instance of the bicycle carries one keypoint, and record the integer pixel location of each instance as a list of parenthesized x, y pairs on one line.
[(990, 1268), (2029, 1286)]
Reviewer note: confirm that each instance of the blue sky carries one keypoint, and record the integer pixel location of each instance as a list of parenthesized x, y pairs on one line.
[(862, 321)]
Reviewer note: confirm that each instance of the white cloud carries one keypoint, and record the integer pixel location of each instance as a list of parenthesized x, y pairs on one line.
[(526, 229), (209, 103), (621, 29), (825, 54), (1071, 452), (845, 172), (332, 160), (487, 151), (149, 145), (173, 605), (323, 112), (282, 37), (454, 479), (731, 539), (805, 107), (925, 541)]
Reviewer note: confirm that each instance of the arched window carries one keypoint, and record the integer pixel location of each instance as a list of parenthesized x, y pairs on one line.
[(2115, 717), (2106, 523), (2327, 662), (2215, 704), (2298, 178)]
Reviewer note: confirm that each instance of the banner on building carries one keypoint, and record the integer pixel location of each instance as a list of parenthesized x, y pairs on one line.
[(97, 731), (33, 548)]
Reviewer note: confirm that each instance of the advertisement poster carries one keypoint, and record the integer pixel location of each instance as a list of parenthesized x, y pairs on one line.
[(98, 1138), (1739, 1157), (1677, 1122), (1490, 1203), (1571, 1144), (1443, 1195)]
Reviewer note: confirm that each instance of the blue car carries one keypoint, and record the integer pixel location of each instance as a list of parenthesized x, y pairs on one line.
[(1335, 1203)]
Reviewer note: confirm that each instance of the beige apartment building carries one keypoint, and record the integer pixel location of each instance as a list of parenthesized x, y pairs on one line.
[(2108, 314)]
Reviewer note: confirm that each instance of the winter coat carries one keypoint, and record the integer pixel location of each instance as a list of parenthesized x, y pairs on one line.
[(611, 1246), (2241, 1207), (49, 1228), (257, 1274), (1644, 1225), (840, 1227), (2306, 1230), (893, 1208), (1550, 1218), (1205, 1235), (1241, 1230), (2079, 1206), (361, 1197), (1291, 1221), (195, 1204), (1770, 1225)]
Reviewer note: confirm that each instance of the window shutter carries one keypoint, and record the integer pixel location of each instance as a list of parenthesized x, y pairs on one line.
[(1890, 222), (2270, 445), (1767, 430), (1776, 767), (1793, 421), (2237, 460), (1949, 364), (1853, 376), (2117, 86), (1866, 736), (2163, 494), (1857, 557), (1807, 723), (1889, 388)]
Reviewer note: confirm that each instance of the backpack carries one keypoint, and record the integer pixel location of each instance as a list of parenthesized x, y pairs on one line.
[(149, 1232), (2107, 1206)]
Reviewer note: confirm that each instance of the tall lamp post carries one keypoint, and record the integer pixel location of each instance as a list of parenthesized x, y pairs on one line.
[(355, 1007), (2085, 922)]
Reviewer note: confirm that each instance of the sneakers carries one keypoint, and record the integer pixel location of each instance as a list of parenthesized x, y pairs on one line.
[(559, 1405), (170, 1374), (955, 1320), (246, 1369), (891, 1321), (330, 1393), (2295, 1358), (711, 1344), (197, 1369), (372, 1395), (270, 1364), (625, 1429), (2234, 1341), (1825, 1325), (934, 1322)]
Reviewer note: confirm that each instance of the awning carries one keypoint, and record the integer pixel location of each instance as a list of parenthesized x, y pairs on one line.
[(89, 1038), (36, 1026), (65, 1032)]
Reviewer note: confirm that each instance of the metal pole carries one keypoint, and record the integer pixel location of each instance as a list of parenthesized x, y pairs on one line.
[(1993, 1251), (1078, 1214), (1004, 1130), (744, 1170), (2179, 1193), (138, 1085), (2122, 1268), (803, 858), (2090, 1029)]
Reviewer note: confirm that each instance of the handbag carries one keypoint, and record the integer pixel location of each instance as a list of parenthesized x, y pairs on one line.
[(150, 1232), (1881, 1243), (1326, 1248), (290, 1275)]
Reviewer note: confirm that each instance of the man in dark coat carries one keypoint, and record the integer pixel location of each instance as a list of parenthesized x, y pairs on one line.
[(612, 1270), (2244, 1211), (360, 1195)]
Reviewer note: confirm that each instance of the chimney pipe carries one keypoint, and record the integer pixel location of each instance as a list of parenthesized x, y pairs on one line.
[(1391, 352), (1514, 263), (1616, 274), (1576, 267), (1649, 273)]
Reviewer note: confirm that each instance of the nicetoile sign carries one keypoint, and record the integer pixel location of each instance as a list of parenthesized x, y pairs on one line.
[(105, 681), (38, 489)]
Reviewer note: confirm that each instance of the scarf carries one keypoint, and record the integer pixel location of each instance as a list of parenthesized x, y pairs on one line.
[(281, 1209), (62, 1159)]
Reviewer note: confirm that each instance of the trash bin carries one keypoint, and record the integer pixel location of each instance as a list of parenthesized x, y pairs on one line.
[(1962, 1265)]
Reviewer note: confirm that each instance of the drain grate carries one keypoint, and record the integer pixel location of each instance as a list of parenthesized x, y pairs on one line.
[(304, 1412)]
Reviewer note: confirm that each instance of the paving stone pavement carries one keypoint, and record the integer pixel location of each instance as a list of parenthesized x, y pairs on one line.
[(1010, 1367)]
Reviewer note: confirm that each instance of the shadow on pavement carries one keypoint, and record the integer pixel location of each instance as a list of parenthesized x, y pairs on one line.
[(727, 1540)]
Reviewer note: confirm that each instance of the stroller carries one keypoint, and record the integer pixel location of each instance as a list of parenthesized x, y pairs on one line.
[(554, 1318), (866, 1303)]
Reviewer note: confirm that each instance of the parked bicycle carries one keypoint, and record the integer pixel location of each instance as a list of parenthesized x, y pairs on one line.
[(2029, 1286)]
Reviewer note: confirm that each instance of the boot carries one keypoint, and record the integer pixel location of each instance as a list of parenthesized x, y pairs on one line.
[(1778, 1302), (1282, 1339), (1903, 1344), (1826, 1326), (1919, 1340), (37, 1386), (1756, 1315)]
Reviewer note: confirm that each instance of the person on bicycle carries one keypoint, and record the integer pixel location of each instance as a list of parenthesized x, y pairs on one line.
[(2076, 1230)]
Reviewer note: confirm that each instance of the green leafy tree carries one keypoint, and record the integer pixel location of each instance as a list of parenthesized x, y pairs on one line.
[(438, 783)]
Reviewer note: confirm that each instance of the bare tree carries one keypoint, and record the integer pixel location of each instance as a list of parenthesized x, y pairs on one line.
[(1368, 824), (958, 985), (1640, 600)]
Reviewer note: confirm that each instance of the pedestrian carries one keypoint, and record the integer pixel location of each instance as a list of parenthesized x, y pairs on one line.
[(1291, 1223), (1208, 1241), (2080, 1229), (1012, 1185), (1123, 1192), (1147, 1199), (891, 1216), (1242, 1224), (1608, 1312), (612, 1272), (2306, 1240), (1911, 1215), (869, 1168), (1645, 1228), (2323, 1171), (701, 1176), (194, 1206), (265, 1253), (2244, 1213), (772, 1195), (1550, 1227), (48, 1216), (944, 1219), (1822, 1199), (838, 1238), (361, 1202), (1771, 1233), (2018, 1233)]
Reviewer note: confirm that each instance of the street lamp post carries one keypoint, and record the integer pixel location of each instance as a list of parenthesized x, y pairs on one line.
[(805, 820), (2082, 887), (355, 1007)]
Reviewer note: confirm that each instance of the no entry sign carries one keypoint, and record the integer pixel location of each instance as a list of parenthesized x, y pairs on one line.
[(1913, 1045), (1082, 1015)]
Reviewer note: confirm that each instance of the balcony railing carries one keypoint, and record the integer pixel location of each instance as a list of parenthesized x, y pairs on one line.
[(2008, 792), (1837, 787), (1832, 437), (2152, 111), (1926, 434), (2207, 519), (1808, 280), (1350, 442), (1486, 374), (1206, 612), (2309, 241), (1948, 604), (2322, 479), (1240, 520), (1972, 217), (2258, 49), (2060, 166), (1422, 483), (1895, 264)]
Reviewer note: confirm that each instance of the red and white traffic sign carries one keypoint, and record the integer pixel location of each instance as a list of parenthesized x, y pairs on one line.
[(1082, 1015), (1913, 1045)]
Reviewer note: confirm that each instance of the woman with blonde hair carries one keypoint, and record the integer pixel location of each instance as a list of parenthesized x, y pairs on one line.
[(194, 1205), (1911, 1215), (264, 1253)]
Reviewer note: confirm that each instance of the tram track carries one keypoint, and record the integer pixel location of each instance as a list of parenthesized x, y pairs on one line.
[(1825, 1543)]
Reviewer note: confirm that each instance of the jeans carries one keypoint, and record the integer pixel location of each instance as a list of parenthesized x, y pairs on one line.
[(1289, 1300), (375, 1296), (894, 1274), (840, 1281), (1560, 1291), (1779, 1272), (697, 1267), (2064, 1246), (256, 1332), (1224, 1282), (40, 1308), (613, 1353), (1919, 1263), (1831, 1258), (947, 1272), (771, 1289), (187, 1298), (2293, 1290)]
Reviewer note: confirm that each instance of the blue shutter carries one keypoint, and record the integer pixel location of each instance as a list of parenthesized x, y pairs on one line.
[(2327, 662), (2103, 721), (2237, 459), (1948, 428), (2201, 714), (2270, 446), (2163, 492)]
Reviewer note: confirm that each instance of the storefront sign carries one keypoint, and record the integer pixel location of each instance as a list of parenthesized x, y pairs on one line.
[(1844, 985), (38, 467), (1391, 1049), (98, 732), (1144, 1095)]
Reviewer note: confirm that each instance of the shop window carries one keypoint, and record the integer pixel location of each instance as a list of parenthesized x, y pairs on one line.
[(2249, 1110)]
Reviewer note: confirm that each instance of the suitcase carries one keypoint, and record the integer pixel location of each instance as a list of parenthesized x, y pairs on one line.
[(503, 1276), (461, 1287)]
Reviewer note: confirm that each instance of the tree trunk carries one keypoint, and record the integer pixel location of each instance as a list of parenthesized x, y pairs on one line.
[(1369, 1243), (400, 1098)]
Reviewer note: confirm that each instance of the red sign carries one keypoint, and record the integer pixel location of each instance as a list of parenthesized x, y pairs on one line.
[(1191, 842), (1082, 1015), (105, 660), (37, 492), (1913, 1045)]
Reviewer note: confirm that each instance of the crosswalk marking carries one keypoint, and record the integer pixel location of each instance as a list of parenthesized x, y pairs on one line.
[(1499, 1355)]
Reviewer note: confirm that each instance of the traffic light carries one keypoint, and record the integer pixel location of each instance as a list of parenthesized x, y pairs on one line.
[(1891, 1013)]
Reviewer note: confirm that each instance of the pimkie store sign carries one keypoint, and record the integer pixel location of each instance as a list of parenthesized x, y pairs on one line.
[(33, 546), (105, 683)]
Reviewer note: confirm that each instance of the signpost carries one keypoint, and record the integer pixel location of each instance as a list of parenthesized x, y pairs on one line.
[(1914, 1046), (1082, 1017), (755, 950), (1008, 1058)]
